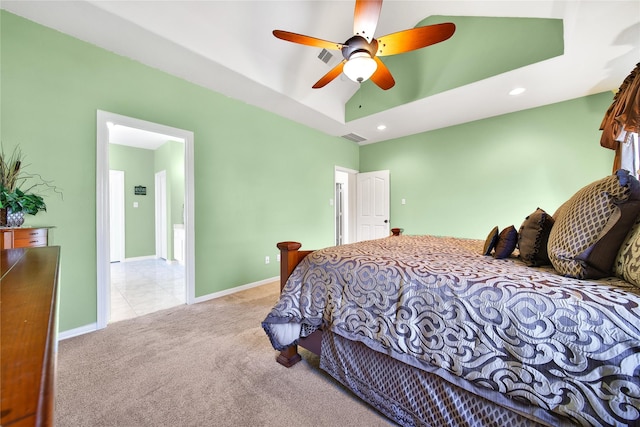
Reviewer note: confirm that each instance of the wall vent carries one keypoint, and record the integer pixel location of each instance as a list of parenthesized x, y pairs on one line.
[(354, 137), (325, 56)]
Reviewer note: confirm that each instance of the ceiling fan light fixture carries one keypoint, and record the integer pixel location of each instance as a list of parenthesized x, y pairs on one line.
[(360, 67)]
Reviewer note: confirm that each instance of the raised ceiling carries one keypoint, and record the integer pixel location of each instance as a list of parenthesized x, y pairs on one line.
[(227, 46)]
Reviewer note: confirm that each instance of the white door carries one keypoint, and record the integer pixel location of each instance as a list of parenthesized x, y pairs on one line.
[(161, 215), (372, 205), (116, 215)]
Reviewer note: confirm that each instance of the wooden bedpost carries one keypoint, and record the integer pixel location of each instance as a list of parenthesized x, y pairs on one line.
[(396, 231), (290, 256), (288, 260)]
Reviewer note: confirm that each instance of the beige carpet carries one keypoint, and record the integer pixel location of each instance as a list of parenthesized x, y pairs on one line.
[(209, 364)]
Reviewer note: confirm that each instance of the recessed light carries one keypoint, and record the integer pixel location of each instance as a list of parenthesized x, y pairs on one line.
[(382, 127), (517, 91)]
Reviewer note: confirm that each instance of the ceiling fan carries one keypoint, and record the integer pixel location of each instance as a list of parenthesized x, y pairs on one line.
[(362, 51)]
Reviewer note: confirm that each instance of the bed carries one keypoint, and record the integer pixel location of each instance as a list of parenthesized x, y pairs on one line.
[(433, 330)]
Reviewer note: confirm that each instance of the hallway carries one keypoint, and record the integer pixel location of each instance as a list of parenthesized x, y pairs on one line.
[(142, 287)]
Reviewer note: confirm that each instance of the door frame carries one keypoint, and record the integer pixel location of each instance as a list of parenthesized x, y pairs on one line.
[(103, 121)]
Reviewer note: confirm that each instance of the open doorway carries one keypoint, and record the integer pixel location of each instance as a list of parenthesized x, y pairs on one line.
[(183, 210), (345, 205), (146, 277), (361, 205)]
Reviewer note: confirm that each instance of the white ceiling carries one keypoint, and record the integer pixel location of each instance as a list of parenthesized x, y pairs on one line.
[(139, 138), (227, 46)]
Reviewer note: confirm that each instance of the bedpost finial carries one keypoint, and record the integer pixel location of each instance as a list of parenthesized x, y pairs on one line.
[(396, 231)]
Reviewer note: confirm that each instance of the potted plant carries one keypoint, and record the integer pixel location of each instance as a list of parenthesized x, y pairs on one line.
[(14, 201)]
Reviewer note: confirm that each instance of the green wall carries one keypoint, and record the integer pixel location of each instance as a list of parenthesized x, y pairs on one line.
[(248, 162), (138, 167), (463, 180)]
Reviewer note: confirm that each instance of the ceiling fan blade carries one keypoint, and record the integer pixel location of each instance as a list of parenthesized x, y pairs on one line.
[(414, 38), (332, 74), (382, 76), (306, 40), (365, 18)]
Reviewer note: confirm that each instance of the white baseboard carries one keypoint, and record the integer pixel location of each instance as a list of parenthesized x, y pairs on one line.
[(234, 290), (150, 257), (140, 258), (78, 331), (94, 326)]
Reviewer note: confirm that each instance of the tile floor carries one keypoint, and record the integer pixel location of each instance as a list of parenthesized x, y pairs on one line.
[(142, 287)]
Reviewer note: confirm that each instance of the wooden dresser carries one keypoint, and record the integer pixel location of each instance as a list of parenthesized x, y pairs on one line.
[(28, 293), (23, 237)]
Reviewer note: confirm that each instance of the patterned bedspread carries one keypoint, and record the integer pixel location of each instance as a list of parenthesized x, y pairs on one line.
[(570, 346)]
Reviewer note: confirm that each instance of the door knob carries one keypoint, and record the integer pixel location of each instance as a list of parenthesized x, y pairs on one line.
[(386, 221)]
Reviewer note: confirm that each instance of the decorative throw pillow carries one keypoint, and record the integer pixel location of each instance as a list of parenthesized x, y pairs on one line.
[(599, 259), (533, 237), (507, 241), (560, 211), (490, 242), (627, 264), (587, 236)]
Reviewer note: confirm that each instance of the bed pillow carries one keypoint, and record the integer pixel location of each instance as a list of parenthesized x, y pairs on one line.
[(600, 258), (533, 237), (627, 263), (491, 241), (560, 211), (587, 237), (507, 241)]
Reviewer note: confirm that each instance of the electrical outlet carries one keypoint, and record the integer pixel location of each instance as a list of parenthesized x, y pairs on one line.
[(278, 257), (267, 260)]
